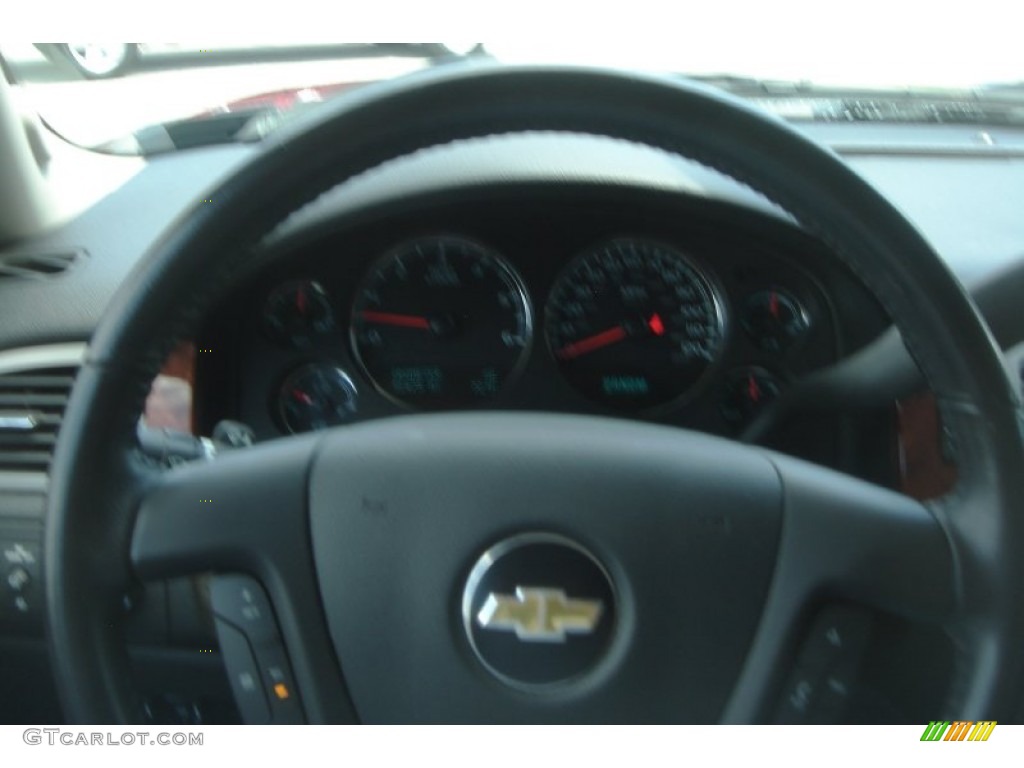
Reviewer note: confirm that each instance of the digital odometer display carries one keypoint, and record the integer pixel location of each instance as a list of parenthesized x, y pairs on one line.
[(439, 322), (633, 324)]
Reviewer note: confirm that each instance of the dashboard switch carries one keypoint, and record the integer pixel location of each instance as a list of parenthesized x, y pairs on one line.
[(233, 434), (18, 579), (21, 573)]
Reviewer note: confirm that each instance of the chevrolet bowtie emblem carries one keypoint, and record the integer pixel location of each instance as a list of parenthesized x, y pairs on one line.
[(539, 615)]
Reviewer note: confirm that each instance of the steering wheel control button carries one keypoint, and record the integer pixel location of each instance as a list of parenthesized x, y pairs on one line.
[(246, 627), (538, 609), (241, 601), (839, 632), (774, 319), (279, 684), (244, 674), (820, 688)]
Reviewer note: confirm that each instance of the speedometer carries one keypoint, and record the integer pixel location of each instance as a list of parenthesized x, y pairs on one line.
[(634, 324), (441, 321)]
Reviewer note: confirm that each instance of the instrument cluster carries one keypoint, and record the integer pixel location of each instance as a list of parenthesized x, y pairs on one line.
[(629, 325)]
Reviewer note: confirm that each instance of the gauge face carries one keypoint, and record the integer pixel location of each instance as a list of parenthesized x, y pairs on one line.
[(316, 396), (439, 322), (297, 311), (774, 319), (633, 324), (747, 391)]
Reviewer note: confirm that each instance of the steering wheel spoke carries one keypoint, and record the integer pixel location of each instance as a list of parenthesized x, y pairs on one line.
[(842, 541), (858, 541), (245, 513)]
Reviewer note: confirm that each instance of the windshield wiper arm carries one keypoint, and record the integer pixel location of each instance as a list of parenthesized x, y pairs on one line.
[(244, 126), (182, 134)]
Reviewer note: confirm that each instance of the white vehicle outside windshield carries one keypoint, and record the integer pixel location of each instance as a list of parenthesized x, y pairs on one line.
[(890, 46)]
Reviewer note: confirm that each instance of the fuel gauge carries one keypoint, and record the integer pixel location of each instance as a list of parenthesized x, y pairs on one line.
[(316, 396)]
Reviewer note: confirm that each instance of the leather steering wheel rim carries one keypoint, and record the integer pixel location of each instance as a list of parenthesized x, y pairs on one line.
[(97, 482)]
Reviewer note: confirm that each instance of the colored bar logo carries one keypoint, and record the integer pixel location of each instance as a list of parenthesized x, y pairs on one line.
[(960, 730)]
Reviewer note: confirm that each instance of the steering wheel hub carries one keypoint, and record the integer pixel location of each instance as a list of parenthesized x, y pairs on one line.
[(538, 608)]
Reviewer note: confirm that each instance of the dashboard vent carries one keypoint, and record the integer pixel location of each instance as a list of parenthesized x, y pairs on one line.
[(31, 409), (37, 264)]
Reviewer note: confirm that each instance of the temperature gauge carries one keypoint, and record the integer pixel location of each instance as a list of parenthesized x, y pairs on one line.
[(316, 396)]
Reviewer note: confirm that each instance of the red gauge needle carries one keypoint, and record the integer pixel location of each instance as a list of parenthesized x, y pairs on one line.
[(390, 318), (302, 397), (589, 344), (300, 301), (753, 390), (603, 339)]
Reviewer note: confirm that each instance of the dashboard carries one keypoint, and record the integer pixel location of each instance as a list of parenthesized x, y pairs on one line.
[(620, 302)]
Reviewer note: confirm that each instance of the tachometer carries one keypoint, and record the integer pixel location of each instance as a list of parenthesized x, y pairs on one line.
[(441, 321), (633, 324)]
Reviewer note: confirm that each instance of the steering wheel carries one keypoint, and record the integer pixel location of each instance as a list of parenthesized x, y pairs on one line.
[(628, 571)]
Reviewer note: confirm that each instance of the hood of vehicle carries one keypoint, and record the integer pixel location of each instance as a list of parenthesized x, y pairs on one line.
[(241, 120)]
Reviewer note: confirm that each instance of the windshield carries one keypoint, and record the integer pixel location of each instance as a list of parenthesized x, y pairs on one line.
[(98, 94)]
